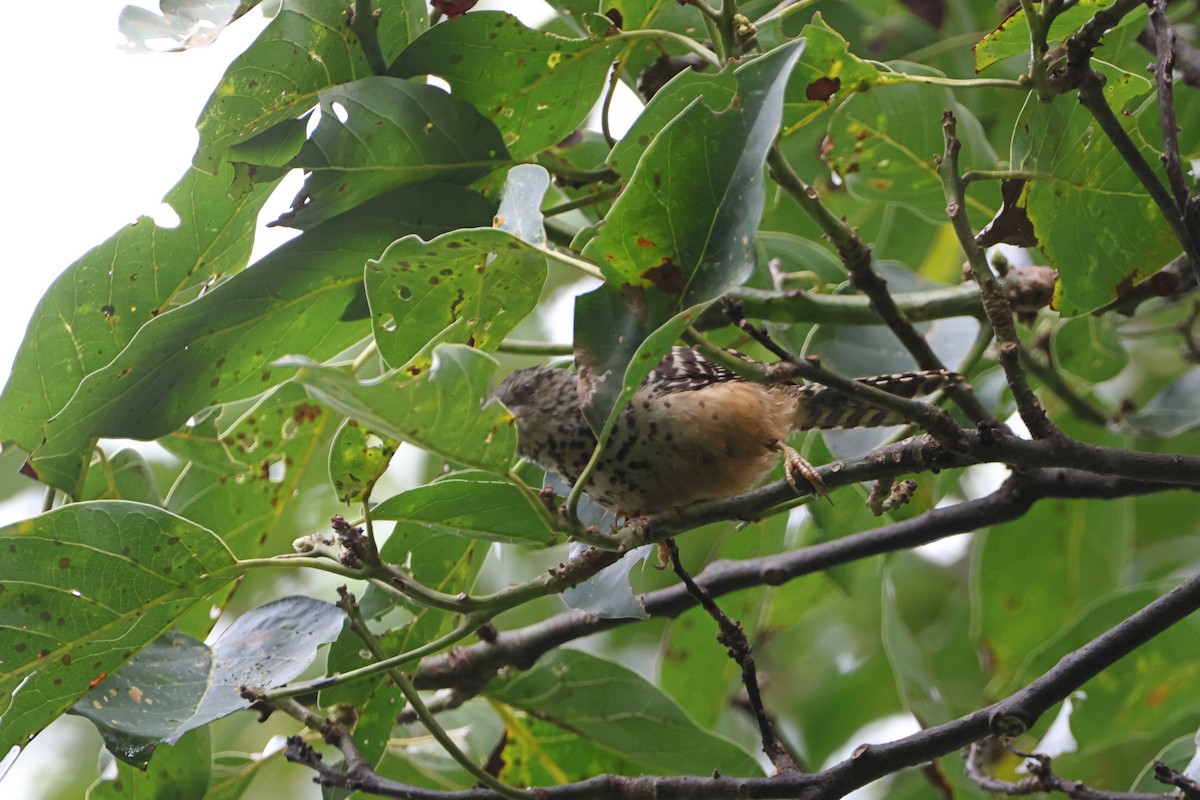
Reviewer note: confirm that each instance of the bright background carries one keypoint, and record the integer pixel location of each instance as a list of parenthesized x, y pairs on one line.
[(96, 137)]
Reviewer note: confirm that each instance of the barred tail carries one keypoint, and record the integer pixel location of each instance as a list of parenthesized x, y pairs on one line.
[(821, 407)]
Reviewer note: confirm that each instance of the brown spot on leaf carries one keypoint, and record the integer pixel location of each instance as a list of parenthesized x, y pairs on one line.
[(667, 277), (305, 412), (822, 88), (642, 241)]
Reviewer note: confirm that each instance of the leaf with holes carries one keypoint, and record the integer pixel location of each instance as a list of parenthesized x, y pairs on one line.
[(86, 587), (377, 134), (357, 459), (220, 347), (246, 467), (308, 47), (827, 74), (537, 87), (1011, 37), (96, 306), (470, 286), (443, 409)]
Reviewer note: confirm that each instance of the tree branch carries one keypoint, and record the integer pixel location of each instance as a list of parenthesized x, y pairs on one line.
[(995, 303), (474, 665), (856, 256), (732, 636), (869, 761)]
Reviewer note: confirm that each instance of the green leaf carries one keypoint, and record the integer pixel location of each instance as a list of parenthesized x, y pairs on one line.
[(684, 225), (96, 306), (682, 231), (399, 23), (478, 506), (274, 147), (537, 753), (122, 476), (220, 347), (910, 663), (1146, 691), (620, 712), (357, 459), (1011, 37), (1090, 348), (308, 47), (232, 773), (1093, 220), (436, 408), (1035, 575), (715, 91), (1174, 409), (178, 684), (86, 587), (377, 134), (180, 772), (248, 465), (882, 144), (537, 87), (826, 74), (471, 286)]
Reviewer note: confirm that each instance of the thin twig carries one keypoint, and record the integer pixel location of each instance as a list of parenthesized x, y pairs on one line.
[(1164, 69), (474, 664), (1042, 779), (733, 637), (1054, 381), (856, 256), (869, 762), (995, 302)]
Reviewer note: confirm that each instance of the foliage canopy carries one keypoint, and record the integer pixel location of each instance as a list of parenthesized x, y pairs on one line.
[(887, 185)]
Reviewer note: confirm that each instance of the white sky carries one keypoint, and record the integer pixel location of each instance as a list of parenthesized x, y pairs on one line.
[(95, 137)]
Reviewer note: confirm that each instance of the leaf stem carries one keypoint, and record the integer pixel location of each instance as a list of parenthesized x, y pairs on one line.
[(582, 202), (526, 347), (469, 623), (887, 78), (654, 33), (586, 267)]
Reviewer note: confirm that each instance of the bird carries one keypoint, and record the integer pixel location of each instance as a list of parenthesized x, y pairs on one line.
[(693, 431)]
